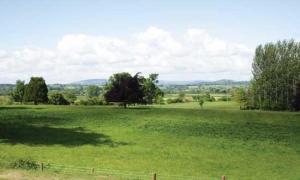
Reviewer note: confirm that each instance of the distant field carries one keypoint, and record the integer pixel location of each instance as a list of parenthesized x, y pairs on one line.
[(222, 105), (190, 96), (175, 141)]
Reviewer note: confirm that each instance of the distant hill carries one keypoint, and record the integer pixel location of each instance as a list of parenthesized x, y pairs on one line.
[(90, 82)]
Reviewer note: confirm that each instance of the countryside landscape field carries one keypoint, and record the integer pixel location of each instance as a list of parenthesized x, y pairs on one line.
[(174, 142), (149, 90)]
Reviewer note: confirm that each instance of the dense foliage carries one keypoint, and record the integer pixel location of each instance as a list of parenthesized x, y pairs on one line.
[(276, 72), (36, 91), (18, 92), (124, 88), (58, 99), (127, 89), (70, 96), (151, 89)]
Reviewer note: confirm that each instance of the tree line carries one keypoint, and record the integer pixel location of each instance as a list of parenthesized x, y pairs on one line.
[(276, 78), (121, 88)]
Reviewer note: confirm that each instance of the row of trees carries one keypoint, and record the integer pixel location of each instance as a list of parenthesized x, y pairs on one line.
[(276, 77), (122, 88)]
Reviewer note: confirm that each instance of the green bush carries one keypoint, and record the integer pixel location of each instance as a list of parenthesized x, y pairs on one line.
[(175, 100), (25, 164), (70, 96), (58, 99), (224, 98), (90, 102)]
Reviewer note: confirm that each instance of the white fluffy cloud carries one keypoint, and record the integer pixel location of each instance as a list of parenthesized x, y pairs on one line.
[(193, 55)]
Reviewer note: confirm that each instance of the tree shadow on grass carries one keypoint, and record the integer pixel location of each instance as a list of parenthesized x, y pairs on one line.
[(19, 107), (31, 118), (16, 133)]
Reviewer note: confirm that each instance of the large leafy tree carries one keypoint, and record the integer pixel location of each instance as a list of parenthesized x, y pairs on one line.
[(276, 70), (151, 89), (124, 88), (36, 91), (18, 92)]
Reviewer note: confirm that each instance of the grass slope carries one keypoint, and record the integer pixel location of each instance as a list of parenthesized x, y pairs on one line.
[(178, 139)]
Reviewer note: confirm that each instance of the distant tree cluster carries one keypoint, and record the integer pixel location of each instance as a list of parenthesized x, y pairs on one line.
[(276, 77), (36, 91), (122, 88), (126, 89)]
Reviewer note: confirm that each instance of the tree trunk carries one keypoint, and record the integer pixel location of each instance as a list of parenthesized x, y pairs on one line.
[(125, 105)]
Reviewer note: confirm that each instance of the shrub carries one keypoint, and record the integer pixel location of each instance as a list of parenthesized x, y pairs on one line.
[(58, 99), (90, 102), (224, 98), (175, 100), (201, 102), (25, 164), (70, 96)]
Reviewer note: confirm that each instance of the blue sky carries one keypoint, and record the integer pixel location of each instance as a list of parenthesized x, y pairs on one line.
[(44, 24)]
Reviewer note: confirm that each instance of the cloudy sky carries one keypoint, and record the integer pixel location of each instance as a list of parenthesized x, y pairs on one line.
[(66, 41)]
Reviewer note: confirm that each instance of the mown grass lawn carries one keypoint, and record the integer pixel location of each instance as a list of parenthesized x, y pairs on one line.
[(180, 139)]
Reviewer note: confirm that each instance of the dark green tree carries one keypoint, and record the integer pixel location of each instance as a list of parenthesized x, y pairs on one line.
[(58, 99), (36, 91), (18, 92), (124, 88)]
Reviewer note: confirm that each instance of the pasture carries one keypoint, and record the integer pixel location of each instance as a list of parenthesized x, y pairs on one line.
[(176, 140)]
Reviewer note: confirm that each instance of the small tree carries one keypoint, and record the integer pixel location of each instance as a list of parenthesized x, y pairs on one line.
[(36, 91), (152, 92), (58, 99), (240, 95), (18, 92), (201, 102)]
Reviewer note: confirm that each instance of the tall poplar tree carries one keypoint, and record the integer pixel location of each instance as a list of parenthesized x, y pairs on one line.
[(276, 70)]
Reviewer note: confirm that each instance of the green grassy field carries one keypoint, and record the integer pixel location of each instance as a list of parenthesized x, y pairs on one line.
[(173, 140)]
